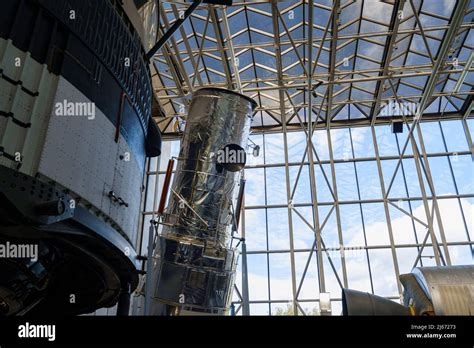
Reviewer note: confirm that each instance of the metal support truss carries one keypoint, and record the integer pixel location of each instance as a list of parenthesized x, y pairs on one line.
[(179, 22)]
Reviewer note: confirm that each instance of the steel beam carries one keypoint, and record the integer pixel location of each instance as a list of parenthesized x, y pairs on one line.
[(177, 55), (189, 50), (367, 36), (179, 22), (230, 46), (387, 57), (276, 32), (332, 58), (220, 44), (294, 86), (336, 204), (312, 176), (386, 209)]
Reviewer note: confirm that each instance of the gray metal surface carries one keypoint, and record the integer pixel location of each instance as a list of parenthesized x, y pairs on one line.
[(35, 110), (451, 289), (75, 143)]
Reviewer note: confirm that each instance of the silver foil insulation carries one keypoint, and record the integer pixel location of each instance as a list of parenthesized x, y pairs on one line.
[(193, 263)]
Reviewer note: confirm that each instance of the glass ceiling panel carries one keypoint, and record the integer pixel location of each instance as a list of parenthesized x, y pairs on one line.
[(364, 60)]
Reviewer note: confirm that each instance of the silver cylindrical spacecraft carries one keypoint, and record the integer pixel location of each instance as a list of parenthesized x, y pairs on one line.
[(76, 127), (193, 262)]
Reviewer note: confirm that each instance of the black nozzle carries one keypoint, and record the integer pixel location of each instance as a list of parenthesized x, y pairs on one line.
[(361, 303)]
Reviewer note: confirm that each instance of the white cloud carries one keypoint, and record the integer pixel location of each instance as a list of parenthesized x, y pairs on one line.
[(378, 10)]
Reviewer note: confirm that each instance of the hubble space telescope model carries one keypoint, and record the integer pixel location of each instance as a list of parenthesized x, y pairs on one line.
[(194, 261), (75, 129)]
